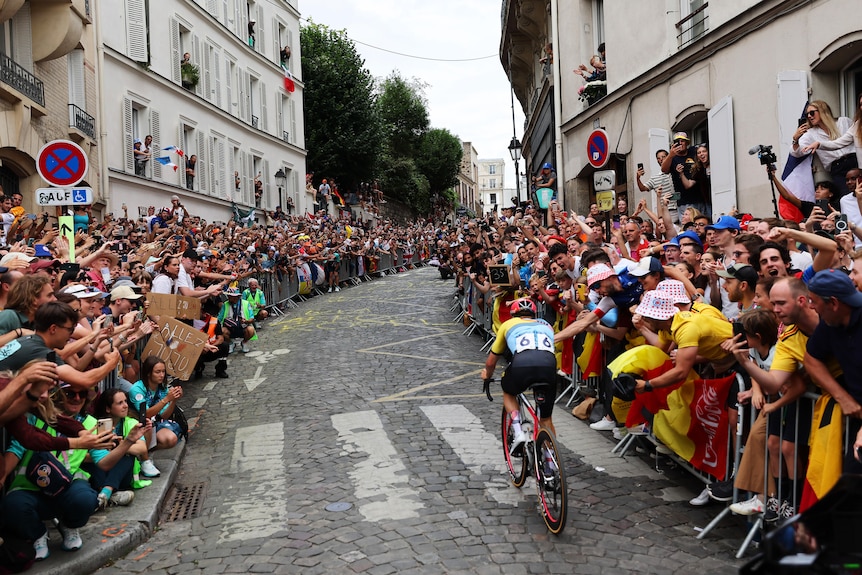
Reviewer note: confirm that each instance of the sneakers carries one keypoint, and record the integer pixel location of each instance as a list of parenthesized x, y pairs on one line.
[(786, 511), (148, 469), (772, 506), (663, 449), (620, 432), (71, 538), (517, 440), (245, 348), (721, 490), (122, 497), (337, 288), (231, 347), (41, 547), (102, 501), (701, 499), (748, 507), (604, 424), (329, 290)]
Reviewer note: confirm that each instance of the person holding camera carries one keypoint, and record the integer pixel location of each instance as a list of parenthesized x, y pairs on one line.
[(679, 164), (824, 194)]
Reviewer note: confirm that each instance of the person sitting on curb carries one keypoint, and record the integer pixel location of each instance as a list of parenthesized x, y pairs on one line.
[(152, 397)]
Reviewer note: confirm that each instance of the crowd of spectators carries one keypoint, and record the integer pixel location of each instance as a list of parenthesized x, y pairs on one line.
[(76, 391), (777, 301)]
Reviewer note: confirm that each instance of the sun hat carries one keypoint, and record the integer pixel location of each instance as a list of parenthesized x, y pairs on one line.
[(656, 305), (674, 289), (598, 273)]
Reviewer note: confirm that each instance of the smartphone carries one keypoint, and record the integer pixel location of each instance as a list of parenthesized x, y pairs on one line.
[(738, 330), (802, 122), (542, 273), (823, 205), (104, 425), (841, 223), (109, 319), (640, 165)]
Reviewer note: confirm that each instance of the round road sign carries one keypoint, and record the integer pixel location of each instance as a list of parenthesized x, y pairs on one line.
[(62, 163), (598, 149)]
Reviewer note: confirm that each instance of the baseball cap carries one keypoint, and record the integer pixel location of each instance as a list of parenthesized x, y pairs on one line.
[(547, 166), (837, 284), (83, 292), (681, 136), (675, 290), (688, 234), (598, 273), (43, 264), (724, 223), (656, 305), (124, 292), (646, 266), (15, 255), (741, 272), (40, 251)]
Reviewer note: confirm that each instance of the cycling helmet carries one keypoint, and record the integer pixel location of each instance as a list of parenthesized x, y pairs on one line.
[(523, 306)]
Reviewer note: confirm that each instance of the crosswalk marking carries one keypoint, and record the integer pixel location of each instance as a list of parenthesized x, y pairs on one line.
[(258, 465), (480, 450), (381, 475)]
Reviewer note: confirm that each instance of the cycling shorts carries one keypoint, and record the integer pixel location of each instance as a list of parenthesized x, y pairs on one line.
[(529, 367)]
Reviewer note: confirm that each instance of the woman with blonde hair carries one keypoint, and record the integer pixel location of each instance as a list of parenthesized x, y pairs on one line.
[(821, 126), (851, 136)]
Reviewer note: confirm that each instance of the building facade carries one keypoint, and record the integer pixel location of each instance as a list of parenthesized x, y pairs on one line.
[(207, 78), (466, 195), (731, 74), (47, 90), (491, 172)]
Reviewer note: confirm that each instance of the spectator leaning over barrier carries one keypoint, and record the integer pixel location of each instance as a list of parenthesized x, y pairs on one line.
[(53, 325), (25, 297)]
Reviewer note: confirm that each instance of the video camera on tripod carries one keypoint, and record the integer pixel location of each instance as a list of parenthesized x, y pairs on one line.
[(767, 158)]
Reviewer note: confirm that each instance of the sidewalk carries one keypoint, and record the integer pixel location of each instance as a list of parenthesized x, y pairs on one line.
[(112, 533)]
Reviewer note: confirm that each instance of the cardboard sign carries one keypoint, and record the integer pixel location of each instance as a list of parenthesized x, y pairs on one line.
[(169, 305), (178, 345), (499, 276)]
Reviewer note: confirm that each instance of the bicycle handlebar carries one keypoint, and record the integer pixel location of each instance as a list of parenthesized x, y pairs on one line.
[(486, 387)]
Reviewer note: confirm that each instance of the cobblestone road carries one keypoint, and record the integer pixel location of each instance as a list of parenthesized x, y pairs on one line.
[(371, 397)]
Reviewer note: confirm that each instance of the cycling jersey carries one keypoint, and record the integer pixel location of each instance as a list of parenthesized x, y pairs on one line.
[(519, 334)]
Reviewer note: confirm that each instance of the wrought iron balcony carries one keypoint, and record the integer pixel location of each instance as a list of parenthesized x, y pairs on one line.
[(82, 121), (285, 136), (14, 75), (254, 121)]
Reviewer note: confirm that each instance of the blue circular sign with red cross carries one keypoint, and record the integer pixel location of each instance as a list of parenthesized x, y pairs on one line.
[(62, 163), (598, 149)]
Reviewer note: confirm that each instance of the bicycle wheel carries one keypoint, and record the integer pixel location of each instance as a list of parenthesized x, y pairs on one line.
[(551, 484), (516, 463)]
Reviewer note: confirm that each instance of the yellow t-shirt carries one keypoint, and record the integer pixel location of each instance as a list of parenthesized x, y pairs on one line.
[(790, 350), (703, 331)]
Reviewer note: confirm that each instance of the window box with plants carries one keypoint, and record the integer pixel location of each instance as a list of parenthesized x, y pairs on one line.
[(190, 75)]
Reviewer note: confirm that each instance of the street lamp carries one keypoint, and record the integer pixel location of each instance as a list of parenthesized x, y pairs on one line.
[(280, 179), (515, 152)]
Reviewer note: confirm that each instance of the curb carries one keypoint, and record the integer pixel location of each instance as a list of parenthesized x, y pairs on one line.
[(116, 531)]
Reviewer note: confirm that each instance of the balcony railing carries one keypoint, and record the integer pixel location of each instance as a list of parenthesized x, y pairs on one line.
[(81, 120), (285, 136), (693, 26), (254, 121), (14, 75)]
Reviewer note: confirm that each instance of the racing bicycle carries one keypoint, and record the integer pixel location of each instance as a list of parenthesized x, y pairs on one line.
[(538, 455)]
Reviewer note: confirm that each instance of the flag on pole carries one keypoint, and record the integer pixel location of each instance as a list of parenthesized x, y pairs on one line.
[(174, 149), (166, 161), (289, 84)]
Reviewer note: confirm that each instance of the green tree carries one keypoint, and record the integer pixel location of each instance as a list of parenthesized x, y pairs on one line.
[(403, 113), (439, 159), (401, 179), (342, 130)]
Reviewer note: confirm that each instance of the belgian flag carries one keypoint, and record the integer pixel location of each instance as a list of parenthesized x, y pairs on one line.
[(826, 449)]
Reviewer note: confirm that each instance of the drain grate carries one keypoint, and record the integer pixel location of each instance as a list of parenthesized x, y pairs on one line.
[(184, 502)]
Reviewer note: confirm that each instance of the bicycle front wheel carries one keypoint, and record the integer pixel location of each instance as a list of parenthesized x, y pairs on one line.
[(516, 462), (551, 484)]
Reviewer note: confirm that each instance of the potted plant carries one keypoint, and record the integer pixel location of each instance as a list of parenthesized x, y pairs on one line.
[(190, 75)]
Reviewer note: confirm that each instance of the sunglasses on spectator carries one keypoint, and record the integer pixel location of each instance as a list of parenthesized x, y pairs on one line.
[(811, 113), (73, 394)]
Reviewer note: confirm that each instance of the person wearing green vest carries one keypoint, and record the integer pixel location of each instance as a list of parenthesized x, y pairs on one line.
[(255, 298), (237, 316), (25, 507)]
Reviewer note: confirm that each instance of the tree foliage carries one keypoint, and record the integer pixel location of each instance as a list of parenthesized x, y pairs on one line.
[(439, 159), (403, 114), (342, 130)]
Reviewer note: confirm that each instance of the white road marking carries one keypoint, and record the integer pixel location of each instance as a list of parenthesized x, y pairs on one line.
[(199, 403), (259, 468), (256, 380), (480, 450), (210, 386), (381, 475)]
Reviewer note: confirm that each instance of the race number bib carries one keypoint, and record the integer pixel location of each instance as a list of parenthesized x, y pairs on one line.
[(534, 340)]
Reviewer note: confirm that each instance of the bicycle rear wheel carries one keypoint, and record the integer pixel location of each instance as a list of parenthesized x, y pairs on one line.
[(516, 462), (551, 484)]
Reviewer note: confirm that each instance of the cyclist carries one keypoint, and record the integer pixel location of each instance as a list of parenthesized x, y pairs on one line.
[(529, 342)]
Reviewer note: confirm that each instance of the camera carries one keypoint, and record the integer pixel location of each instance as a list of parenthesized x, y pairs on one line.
[(765, 155)]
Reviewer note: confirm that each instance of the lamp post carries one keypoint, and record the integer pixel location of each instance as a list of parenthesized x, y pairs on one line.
[(280, 178), (515, 152)]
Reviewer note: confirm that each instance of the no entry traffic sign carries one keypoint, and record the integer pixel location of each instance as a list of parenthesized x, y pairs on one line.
[(62, 163), (598, 149)]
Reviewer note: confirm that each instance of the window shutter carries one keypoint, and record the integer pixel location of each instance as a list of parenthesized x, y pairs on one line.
[(248, 192), (212, 8), (201, 165), (228, 84), (279, 115), (187, 153), (156, 146), (263, 120), (196, 58), (205, 65), (22, 38), (76, 79), (265, 200), (792, 96), (258, 31), (276, 42), (128, 137), (215, 181), (176, 74), (217, 73), (243, 172), (136, 30), (292, 135), (246, 96), (227, 179), (721, 156)]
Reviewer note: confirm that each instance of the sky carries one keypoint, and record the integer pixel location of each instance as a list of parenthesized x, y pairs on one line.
[(470, 99)]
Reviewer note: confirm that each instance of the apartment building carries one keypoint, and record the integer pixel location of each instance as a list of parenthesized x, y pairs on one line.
[(208, 78), (466, 196), (731, 74), (491, 172), (47, 89)]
